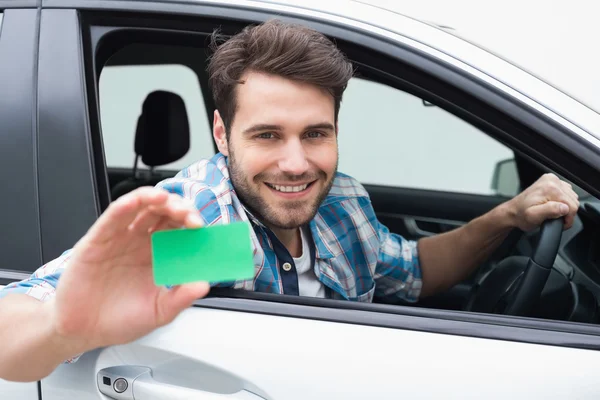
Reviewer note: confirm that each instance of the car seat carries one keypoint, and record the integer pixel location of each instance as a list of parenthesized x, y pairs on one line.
[(162, 136)]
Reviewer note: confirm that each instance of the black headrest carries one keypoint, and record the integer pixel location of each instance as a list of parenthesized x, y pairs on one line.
[(163, 131)]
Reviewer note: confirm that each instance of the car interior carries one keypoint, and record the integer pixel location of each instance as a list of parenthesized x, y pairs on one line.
[(162, 136), (563, 284)]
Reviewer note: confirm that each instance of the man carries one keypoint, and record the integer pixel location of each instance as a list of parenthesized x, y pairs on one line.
[(278, 90)]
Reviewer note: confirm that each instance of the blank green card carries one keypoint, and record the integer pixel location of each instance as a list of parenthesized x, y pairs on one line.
[(217, 253)]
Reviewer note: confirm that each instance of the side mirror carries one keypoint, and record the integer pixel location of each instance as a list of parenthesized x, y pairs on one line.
[(505, 181)]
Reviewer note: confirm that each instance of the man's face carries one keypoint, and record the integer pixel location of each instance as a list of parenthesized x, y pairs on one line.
[(282, 148)]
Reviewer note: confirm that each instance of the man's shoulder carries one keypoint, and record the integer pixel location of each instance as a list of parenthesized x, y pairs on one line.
[(206, 183), (207, 171), (346, 187)]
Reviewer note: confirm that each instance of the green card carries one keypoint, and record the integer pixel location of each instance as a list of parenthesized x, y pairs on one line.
[(217, 253)]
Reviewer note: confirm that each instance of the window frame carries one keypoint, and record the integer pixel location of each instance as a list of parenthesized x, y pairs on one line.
[(450, 89)]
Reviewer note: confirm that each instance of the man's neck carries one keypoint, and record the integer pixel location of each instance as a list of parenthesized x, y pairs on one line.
[(291, 239)]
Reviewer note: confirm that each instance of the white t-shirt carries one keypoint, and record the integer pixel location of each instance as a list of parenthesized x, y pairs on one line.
[(308, 284)]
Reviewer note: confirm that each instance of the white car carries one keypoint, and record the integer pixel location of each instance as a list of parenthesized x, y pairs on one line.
[(438, 130)]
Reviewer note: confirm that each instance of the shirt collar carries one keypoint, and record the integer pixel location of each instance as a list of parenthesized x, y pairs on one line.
[(322, 251)]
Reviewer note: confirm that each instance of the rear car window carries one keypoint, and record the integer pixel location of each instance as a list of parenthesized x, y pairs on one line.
[(124, 88)]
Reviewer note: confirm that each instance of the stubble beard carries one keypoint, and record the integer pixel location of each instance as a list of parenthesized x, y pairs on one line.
[(286, 215)]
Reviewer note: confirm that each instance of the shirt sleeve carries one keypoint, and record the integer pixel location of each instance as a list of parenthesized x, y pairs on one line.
[(41, 285), (398, 271)]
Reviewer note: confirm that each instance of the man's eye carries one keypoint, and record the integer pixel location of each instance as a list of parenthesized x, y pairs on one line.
[(314, 134), (266, 135)]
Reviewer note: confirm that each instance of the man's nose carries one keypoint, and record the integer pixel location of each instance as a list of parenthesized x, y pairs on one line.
[(293, 158)]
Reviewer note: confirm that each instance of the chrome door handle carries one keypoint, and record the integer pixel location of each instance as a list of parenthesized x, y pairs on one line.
[(137, 383)]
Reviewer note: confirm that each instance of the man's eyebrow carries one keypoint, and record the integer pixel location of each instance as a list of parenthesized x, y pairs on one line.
[(262, 128), (268, 127), (322, 125)]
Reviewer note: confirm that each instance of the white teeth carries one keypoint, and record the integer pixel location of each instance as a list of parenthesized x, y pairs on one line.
[(289, 189)]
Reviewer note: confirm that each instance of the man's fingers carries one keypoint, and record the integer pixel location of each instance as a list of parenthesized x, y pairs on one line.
[(123, 211), (179, 211), (145, 221), (175, 212), (557, 192), (570, 198), (569, 220), (568, 190), (172, 302), (193, 220), (550, 210), (162, 224), (165, 224), (142, 210), (570, 202)]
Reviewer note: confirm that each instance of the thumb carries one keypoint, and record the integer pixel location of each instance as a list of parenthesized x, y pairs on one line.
[(551, 210), (172, 302)]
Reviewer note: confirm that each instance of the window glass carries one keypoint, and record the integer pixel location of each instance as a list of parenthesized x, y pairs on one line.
[(389, 137), (123, 90)]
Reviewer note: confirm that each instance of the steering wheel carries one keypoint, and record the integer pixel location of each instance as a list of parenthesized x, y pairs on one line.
[(514, 285)]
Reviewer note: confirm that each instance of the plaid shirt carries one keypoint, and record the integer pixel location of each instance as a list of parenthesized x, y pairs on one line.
[(356, 257)]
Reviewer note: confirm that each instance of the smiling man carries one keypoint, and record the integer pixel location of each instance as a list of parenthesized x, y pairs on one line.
[(278, 90)]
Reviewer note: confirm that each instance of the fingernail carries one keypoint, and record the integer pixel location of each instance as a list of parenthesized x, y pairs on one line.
[(564, 209)]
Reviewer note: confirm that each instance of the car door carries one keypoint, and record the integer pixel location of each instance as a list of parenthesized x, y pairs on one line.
[(251, 345)]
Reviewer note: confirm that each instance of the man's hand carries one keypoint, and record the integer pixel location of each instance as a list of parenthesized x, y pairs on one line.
[(450, 257), (547, 198), (107, 295)]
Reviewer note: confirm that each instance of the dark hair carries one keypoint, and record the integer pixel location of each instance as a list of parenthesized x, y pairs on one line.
[(288, 50)]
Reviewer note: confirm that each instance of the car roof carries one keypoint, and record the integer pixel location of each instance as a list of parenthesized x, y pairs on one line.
[(441, 42), (432, 39)]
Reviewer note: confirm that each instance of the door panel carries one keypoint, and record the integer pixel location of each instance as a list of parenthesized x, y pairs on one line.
[(227, 353), (414, 214), (403, 210), (18, 117), (18, 390)]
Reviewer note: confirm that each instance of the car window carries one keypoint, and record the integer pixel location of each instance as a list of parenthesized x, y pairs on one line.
[(404, 141), (122, 91)]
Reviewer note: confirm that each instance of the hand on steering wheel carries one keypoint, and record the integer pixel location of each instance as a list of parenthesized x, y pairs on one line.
[(514, 285)]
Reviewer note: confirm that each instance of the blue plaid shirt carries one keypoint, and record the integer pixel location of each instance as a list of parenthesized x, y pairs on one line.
[(356, 257)]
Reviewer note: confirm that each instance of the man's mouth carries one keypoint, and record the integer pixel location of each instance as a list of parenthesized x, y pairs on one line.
[(289, 188)]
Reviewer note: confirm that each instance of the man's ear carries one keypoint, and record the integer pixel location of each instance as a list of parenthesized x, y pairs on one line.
[(220, 134)]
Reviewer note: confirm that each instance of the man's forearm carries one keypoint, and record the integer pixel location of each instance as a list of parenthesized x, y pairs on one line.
[(31, 349), (448, 258)]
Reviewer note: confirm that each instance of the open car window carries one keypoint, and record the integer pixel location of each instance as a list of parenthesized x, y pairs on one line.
[(398, 139), (427, 169)]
